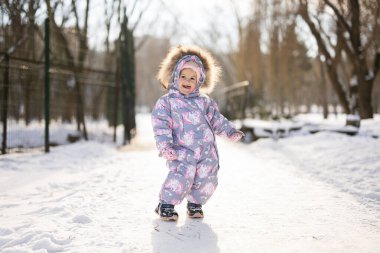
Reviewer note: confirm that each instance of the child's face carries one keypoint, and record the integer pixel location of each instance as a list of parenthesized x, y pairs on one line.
[(187, 81)]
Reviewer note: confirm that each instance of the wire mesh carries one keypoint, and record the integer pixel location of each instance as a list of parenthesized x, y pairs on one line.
[(84, 97)]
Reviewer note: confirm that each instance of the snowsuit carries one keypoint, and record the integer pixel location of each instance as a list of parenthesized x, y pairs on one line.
[(188, 124)]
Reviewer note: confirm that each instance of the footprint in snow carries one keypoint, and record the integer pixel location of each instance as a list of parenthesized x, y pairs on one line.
[(82, 219)]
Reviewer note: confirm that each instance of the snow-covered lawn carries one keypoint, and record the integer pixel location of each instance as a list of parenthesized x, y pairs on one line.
[(33, 136), (312, 193)]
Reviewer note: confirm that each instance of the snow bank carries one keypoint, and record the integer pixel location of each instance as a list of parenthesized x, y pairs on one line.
[(352, 164), (21, 136), (368, 127)]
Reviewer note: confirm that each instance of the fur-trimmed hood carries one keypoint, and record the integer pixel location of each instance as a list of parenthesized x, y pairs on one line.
[(168, 65)]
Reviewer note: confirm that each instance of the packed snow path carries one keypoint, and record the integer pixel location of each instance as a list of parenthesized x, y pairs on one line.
[(90, 197)]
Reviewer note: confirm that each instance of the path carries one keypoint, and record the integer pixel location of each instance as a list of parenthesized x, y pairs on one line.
[(88, 197)]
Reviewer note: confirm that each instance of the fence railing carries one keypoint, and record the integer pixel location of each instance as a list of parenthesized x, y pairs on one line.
[(46, 102)]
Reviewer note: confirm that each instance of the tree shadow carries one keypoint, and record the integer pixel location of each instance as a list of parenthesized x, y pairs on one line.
[(192, 236)]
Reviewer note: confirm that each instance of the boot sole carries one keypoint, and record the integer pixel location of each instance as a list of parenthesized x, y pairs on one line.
[(173, 218), (196, 216)]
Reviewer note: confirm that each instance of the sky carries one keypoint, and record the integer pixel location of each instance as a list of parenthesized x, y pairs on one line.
[(186, 21), (210, 23)]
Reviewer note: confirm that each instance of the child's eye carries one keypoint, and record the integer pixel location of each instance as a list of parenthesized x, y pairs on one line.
[(183, 77), (192, 79)]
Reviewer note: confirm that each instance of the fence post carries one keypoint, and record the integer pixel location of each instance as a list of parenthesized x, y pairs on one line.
[(116, 97), (124, 106), (4, 106), (124, 79), (47, 84)]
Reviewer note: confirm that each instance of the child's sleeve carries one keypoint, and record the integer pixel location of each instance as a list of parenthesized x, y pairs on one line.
[(162, 125), (221, 126)]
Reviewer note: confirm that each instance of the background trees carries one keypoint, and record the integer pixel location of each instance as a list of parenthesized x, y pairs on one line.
[(81, 74), (302, 53), (350, 48), (295, 54)]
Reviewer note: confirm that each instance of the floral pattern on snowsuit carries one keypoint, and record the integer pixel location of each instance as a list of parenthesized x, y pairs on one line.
[(188, 124)]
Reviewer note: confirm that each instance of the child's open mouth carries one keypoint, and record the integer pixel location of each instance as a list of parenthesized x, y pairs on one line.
[(187, 87)]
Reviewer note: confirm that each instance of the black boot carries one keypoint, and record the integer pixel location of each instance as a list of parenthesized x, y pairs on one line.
[(194, 210), (166, 212)]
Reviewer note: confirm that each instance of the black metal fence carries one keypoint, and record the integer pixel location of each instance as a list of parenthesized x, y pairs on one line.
[(46, 102)]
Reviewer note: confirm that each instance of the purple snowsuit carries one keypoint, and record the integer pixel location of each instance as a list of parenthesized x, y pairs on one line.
[(188, 124)]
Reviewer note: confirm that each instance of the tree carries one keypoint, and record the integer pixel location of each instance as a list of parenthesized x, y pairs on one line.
[(358, 42), (278, 65), (20, 42), (126, 52), (74, 63)]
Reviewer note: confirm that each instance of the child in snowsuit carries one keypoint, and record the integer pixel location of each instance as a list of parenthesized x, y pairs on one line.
[(185, 123)]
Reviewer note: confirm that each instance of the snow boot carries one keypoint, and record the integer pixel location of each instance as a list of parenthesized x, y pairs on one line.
[(166, 212), (194, 210)]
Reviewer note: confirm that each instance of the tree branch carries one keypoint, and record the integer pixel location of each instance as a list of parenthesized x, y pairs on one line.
[(376, 64), (141, 14), (339, 15), (238, 19), (7, 4), (305, 15), (355, 27), (59, 34), (331, 69), (323, 33), (133, 8), (76, 15), (86, 18), (343, 41), (375, 32)]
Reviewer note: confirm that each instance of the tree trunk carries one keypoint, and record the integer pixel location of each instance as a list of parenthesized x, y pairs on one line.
[(365, 99), (323, 91), (330, 67)]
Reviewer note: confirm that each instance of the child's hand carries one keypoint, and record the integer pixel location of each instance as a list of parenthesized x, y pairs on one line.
[(169, 154), (235, 137)]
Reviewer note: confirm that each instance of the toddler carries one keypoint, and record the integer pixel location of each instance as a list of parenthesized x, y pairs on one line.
[(185, 122)]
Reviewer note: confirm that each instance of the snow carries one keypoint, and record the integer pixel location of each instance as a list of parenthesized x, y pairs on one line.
[(81, 219), (306, 193), (353, 117), (351, 164), (368, 127), (21, 136), (354, 81), (370, 75)]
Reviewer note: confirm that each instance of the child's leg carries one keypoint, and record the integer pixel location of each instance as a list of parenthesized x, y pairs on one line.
[(205, 181), (177, 183)]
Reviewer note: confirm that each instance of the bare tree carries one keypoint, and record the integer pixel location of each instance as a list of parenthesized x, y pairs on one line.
[(76, 66), (362, 49), (19, 41), (276, 67)]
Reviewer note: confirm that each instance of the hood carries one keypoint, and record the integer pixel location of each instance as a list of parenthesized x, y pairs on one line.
[(168, 66)]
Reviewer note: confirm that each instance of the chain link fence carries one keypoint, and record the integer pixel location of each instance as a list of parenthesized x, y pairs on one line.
[(57, 99)]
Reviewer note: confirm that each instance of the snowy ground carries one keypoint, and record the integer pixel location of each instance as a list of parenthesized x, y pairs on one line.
[(314, 193), (20, 136)]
